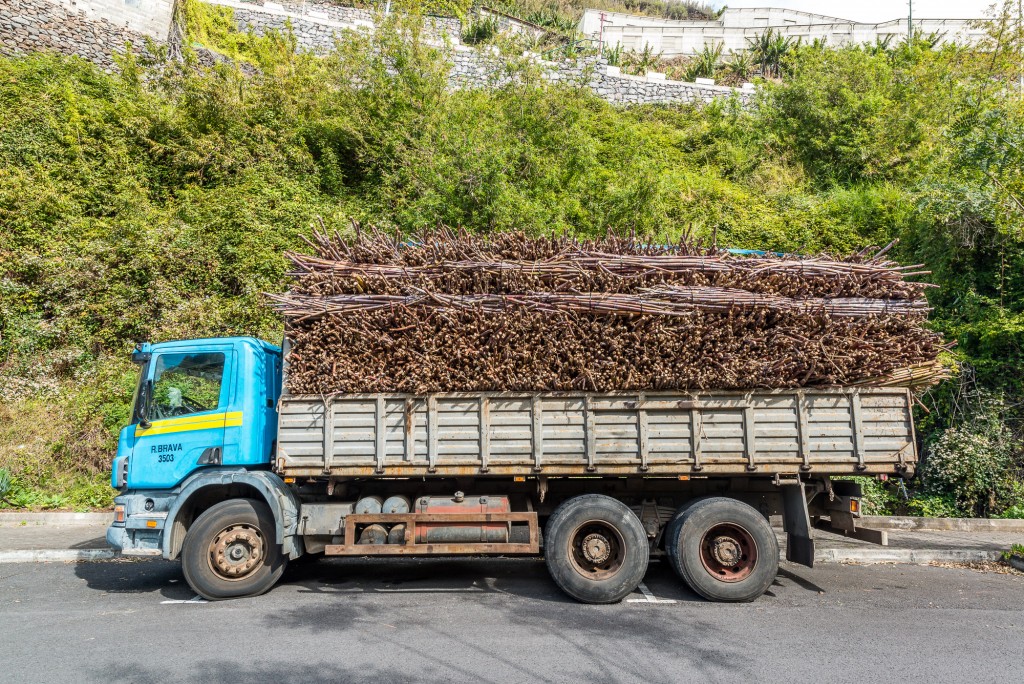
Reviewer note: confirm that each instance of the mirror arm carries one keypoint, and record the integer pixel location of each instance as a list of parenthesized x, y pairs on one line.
[(144, 418)]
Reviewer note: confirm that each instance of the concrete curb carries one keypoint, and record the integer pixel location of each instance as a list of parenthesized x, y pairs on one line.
[(876, 522), (21, 519), (885, 522), (907, 556), (56, 555)]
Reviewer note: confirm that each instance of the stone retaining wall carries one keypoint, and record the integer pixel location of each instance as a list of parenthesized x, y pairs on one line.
[(309, 20), (476, 68), (482, 69), (317, 37), (30, 25), (42, 25)]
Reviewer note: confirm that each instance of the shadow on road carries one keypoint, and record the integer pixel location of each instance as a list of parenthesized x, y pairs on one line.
[(797, 580), (131, 576), (516, 593), (215, 672), (94, 543)]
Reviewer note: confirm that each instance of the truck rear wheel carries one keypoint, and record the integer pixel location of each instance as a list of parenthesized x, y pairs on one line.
[(596, 549), (723, 549), (230, 551)]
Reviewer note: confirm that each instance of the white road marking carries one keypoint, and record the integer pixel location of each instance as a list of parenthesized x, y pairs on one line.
[(648, 596), (194, 599), (454, 590)]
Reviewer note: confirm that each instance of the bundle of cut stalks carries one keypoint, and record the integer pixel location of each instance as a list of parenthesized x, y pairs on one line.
[(447, 311)]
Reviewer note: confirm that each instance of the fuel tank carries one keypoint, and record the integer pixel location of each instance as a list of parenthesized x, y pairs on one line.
[(462, 533)]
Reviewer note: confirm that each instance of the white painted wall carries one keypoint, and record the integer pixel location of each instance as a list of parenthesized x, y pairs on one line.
[(148, 17), (737, 26)]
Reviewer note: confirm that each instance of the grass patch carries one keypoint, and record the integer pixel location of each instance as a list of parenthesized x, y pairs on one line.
[(56, 454)]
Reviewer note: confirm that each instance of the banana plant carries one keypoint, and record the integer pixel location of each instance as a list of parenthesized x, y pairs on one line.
[(769, 50)]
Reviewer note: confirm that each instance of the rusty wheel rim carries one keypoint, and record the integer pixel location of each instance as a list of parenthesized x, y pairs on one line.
[(237, 551), (728, 552), (596, 550)]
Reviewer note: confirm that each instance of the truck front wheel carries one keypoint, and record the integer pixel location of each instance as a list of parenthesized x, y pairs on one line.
[(596, 549), (230, 551), (723, 549)]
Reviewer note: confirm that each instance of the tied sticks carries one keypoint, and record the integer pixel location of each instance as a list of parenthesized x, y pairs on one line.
[(449, 311), (667, 301)]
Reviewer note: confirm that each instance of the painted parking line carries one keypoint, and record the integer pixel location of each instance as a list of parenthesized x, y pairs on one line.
[(194, 599), (648, 596)]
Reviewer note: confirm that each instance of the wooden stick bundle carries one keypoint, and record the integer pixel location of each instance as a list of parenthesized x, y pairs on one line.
[(450, 311)]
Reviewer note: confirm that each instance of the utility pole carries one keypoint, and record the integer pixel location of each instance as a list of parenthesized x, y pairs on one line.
[(910, 21)]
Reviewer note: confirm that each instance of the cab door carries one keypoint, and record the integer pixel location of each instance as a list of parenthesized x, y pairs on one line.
[(188, 394)]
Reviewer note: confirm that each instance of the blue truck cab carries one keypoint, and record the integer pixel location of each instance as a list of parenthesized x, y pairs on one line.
[(202, 431)]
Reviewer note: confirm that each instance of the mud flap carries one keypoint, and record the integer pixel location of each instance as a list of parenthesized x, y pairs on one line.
[(797, 523)]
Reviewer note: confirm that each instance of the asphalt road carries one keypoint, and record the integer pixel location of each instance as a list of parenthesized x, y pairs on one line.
[(504, 621)]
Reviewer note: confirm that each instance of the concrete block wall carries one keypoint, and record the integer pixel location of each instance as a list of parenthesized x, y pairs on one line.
[(735, 28)]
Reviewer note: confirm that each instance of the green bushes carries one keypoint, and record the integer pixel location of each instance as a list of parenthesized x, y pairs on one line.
[(157, 206), (972, 465)]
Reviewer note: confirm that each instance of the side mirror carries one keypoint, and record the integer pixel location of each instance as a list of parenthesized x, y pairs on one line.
[(140, 357), (147, 395)]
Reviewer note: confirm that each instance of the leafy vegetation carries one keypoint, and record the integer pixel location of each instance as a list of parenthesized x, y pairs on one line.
[(156, 204), (564, 15), (479, 30), (1015, 550)]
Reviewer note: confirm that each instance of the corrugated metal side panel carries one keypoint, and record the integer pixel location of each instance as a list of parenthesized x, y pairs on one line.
[(830, 423), (354, 437), (887, 427), (300, 433), (510, 431), (540, 433)]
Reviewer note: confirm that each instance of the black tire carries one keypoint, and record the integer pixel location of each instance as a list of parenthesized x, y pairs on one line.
[(240, 526), (596, 549), (672, 529), (745, 566)]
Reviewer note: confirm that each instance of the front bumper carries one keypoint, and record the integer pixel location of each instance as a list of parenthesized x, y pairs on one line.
[(141, 533), (134, 542)]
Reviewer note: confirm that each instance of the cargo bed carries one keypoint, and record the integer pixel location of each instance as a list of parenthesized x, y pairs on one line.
[(823, 431)]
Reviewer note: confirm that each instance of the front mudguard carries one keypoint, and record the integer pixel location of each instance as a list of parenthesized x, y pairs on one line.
[(283, 503)]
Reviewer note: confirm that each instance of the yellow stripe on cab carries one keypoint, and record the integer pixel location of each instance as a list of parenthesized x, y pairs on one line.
[(205, 421)]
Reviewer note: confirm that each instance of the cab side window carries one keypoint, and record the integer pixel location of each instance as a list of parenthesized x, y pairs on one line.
[(186, 383)]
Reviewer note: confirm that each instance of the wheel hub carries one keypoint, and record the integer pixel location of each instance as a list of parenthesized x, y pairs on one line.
[(726, 550), (596, 548), (236, 551)]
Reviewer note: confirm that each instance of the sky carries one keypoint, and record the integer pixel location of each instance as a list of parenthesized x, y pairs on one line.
[(874, 10)]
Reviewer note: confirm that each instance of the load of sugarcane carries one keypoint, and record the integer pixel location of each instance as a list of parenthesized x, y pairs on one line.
[(448, 311)]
